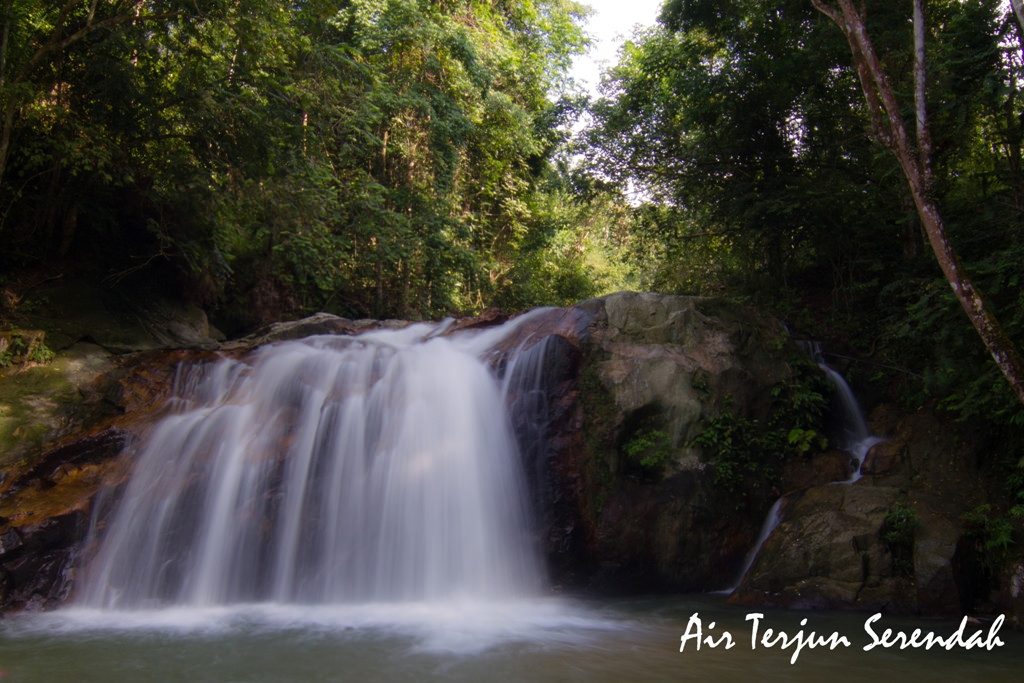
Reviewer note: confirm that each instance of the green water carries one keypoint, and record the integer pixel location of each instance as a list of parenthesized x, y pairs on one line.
[(547, 640)]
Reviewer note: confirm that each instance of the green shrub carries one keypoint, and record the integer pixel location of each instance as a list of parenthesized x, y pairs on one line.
[(993, 531), (15, 348), (649, 448), (741, 448), (898, 531)]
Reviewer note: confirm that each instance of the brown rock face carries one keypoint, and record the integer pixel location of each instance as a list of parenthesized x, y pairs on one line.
[(884, 458), (616, 370), (47, 491), (826, 552), (815, 470), (45, 514), (638, 509)]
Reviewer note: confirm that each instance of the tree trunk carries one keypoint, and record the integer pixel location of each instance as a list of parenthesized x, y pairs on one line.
[(1018, 9), (917, 169), (924, 138), (5, 137)]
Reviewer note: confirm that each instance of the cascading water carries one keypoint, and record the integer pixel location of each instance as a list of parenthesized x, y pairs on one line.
[(771, 521), (338, 470), (854, 438)]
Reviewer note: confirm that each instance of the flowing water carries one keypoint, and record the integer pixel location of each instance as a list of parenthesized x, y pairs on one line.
[(771, 521), (541, 640), (331, 470), (853, 436), (342, 508)]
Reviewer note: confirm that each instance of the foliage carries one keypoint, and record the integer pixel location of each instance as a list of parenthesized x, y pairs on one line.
[(40, 353), (412, 158), (650, 448), (742, 448), (375, 157), (898, 530), (739, 119), (19, 348), (998, 529), (955, 367), (737, 448), (744, 124)]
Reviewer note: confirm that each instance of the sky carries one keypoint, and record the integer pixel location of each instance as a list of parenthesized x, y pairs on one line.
[(610, 24)]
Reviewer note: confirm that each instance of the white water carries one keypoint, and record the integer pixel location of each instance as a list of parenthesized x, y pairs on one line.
[(771, 521), (854, 438), (340, 471)]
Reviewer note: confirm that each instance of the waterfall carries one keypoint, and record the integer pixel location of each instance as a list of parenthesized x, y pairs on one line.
[(329, 470), (771, 521), (854, 436)]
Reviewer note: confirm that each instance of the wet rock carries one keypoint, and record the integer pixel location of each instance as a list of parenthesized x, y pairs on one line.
[(935, 545), (40, 574), (833, 537), (621, 370), (885, 457), (489, 318), (651, 368), (1009, 598), (826, 548), (816, 469), (320, 323), (10, 541)]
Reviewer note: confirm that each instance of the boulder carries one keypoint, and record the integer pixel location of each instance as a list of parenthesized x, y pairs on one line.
[(41, 403), (816, 469), (319, 323), (885, 457), (1009, 597), (825, 550), (830, 549), (640, 510), (118, 320)]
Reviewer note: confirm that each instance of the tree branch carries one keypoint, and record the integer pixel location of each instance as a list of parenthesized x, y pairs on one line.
[(917, 170), (924, 138), (56, 44)]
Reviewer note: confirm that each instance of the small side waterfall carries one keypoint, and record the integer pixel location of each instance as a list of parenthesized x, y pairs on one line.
[(771, 521), (337, 470), (854, 438)]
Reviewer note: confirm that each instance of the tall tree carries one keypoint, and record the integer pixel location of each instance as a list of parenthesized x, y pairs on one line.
[(378, 157), (34, 35), (738, 114), (915, 160)]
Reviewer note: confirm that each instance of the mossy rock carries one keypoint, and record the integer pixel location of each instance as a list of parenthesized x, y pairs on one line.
[(41, 403)]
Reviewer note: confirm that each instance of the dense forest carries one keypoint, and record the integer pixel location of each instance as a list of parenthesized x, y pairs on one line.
[(415, 158)]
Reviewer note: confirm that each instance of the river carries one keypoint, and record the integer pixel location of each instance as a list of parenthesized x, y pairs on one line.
[(533, 640)]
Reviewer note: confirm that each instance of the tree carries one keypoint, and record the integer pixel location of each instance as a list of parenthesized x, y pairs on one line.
[(739, 118), (371, 157), (915, 160), (34, 34)]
